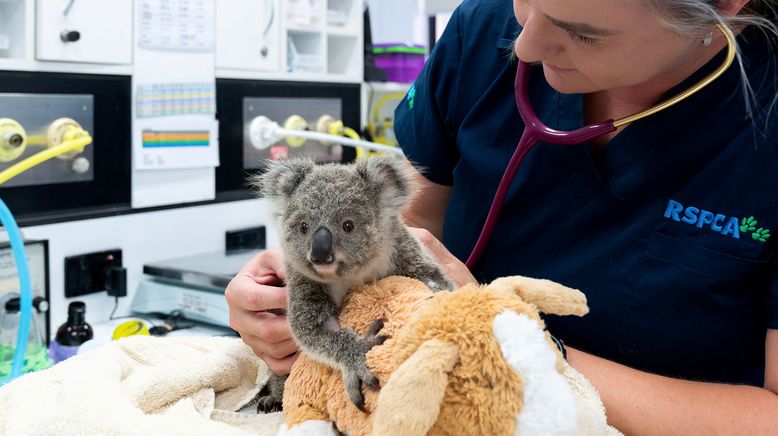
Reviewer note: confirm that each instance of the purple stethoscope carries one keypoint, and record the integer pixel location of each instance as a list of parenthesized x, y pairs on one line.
[(535, 131)]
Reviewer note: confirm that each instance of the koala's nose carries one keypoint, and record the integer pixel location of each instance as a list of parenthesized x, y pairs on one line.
[(321, 247)]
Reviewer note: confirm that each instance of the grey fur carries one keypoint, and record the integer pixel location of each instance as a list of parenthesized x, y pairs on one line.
[(370, 193)]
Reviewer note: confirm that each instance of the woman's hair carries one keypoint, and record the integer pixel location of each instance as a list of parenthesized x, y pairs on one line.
[(689, 17)]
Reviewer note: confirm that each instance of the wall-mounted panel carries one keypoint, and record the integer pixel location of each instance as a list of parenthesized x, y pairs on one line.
[(33, 123), (108, 188), (233, 99)]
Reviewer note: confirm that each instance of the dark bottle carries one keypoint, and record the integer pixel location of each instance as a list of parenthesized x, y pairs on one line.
[(72, 334)]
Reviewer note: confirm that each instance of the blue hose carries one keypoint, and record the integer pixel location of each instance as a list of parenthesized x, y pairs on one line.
[(25, 290)]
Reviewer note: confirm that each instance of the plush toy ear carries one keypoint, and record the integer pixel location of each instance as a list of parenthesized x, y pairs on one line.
[(409, 402), (549, 297), (391, 176), (282, 177)]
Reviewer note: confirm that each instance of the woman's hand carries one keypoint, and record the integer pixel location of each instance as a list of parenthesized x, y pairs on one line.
[(257, 301), (454, 270)]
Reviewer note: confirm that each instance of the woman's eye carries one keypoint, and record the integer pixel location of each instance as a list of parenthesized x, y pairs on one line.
[(304, 228), (588, 40), (348, 226)]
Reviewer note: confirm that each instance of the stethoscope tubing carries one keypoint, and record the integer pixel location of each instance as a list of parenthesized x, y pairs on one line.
[(535, 131)]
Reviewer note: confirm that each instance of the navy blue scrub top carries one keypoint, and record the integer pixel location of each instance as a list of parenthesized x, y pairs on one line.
[(670, 230)]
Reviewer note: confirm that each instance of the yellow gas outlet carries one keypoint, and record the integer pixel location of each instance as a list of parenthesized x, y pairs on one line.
[(13, 139), (295, 122), (62, 130)]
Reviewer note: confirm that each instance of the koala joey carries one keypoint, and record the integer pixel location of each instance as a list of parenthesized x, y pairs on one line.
[(340, 227)]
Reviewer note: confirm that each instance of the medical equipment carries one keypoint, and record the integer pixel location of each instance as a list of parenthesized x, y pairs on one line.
[(74, 139), (193, 285), (35, 357), (535, 131), (263, 132)]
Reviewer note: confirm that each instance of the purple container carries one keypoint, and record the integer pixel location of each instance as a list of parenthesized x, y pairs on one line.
[(402, 63)]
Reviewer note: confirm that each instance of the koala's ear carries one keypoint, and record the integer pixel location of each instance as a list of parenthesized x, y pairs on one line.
[(391, 176), (281, 177)]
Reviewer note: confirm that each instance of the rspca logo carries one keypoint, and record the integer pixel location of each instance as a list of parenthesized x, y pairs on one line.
[(730, 226)]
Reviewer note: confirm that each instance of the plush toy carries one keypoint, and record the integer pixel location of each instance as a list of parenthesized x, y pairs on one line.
[(473, 361)]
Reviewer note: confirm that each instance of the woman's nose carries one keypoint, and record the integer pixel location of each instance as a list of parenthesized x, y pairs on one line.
[(536, 42)]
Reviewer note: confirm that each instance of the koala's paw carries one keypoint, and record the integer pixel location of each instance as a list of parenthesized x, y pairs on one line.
[(372, 338), (354, 379), (271, 396), (268, 404)]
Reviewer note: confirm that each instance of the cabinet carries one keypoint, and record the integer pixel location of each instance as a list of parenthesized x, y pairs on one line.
[(289, 40), (320, 41), (248, 35), (94, 31)]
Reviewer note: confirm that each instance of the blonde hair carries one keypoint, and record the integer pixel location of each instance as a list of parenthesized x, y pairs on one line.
[(690, 17)]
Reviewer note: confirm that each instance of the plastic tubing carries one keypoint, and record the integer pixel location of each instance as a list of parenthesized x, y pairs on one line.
[(25, 290), (280, 131), (17, 246), (38, 158), (351, 133)]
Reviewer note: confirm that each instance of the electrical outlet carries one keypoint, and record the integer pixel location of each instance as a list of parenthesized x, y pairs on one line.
[(86, 273), (248, 238)]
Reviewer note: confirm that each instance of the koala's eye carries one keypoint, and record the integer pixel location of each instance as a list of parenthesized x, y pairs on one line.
[(304, 228), (348, 226)]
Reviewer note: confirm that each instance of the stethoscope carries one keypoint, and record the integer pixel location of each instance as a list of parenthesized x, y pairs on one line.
[(535, 131)]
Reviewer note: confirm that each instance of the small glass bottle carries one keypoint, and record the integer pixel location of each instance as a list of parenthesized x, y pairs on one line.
[(71, 334)]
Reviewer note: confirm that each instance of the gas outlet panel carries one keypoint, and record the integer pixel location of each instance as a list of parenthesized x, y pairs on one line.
[(293, 113), (31, 123)]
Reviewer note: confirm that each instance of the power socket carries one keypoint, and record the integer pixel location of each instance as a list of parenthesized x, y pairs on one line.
[(249, 238), (86, 273)]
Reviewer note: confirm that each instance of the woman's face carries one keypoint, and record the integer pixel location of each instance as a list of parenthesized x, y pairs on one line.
[(594, 45)]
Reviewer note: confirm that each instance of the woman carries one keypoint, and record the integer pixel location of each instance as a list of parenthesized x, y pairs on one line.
[(665, 225)]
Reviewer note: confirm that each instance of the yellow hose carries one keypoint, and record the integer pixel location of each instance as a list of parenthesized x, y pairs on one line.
[(372, 125), (76, 144), (351, 133)]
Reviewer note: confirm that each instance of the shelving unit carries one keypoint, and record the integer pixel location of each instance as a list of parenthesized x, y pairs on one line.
[(335, 51)]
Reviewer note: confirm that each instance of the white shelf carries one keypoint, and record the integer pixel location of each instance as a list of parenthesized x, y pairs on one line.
[(387, 87), (295, 28), (64, 67), (341, 31), (224, 73)]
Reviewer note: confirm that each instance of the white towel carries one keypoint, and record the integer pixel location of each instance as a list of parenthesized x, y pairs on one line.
[(143, 386), (172, 386)]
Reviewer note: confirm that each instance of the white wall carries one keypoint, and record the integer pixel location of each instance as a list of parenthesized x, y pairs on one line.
[(143, 237)]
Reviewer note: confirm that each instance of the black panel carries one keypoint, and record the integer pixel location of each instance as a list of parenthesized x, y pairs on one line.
[(230, 175), (110, 188)]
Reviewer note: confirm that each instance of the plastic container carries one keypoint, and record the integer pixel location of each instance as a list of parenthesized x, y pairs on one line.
[(402, 63), (35, 358)]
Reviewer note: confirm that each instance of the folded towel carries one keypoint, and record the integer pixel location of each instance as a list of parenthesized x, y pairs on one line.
[(143, 386)]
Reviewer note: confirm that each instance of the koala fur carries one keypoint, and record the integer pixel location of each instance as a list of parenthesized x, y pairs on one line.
[(340, 227)]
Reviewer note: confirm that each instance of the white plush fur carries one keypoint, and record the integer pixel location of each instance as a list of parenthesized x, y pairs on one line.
[(313, 427), (549, 403)]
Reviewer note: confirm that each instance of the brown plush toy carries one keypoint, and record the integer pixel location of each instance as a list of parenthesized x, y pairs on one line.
[(473, 361)]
